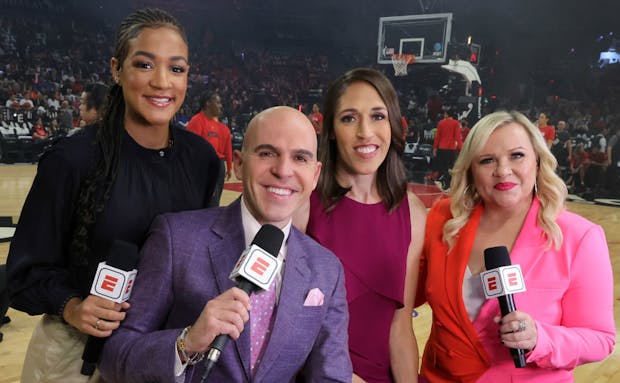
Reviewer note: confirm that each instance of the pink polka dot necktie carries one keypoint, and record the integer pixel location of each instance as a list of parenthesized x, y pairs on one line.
[(260, 318)]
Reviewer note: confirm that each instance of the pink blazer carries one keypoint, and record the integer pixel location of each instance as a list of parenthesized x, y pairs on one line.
[(569, 295)]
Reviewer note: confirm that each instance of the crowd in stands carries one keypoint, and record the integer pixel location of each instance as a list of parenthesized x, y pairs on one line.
[(45, 64), (584, 142), (44, 76)]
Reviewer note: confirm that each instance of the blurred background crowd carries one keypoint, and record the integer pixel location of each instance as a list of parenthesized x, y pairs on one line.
[(545, 63)]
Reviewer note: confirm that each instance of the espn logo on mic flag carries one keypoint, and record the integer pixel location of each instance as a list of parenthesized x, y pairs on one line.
[(112, 283), (257, 266), (502, 281)]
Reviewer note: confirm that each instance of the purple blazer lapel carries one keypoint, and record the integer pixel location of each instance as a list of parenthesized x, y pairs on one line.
[(223, 255), (295, 285), (225, 245)]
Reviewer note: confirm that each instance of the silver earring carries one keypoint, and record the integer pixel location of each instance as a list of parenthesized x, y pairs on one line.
[(536, 187)]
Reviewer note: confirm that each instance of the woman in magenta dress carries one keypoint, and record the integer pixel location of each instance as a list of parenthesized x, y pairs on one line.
[(361, 211)]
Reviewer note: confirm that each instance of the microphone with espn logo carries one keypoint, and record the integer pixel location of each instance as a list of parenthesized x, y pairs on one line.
[(500, 281), (259, 264), (255, 270), (114, 280)]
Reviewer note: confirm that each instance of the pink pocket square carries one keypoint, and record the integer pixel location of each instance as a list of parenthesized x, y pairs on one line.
[(314, 298)]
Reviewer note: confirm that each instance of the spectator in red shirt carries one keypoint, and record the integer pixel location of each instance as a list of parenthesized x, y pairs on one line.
[(39, 132), (446, 144), (206, 124), (405, 125), (547, 131), (317, 119)]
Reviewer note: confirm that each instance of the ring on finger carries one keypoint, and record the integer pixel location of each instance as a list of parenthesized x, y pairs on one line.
[(97, 324), (522, 326)]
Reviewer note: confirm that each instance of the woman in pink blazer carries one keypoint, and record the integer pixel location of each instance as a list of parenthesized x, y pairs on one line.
[(505, 192)]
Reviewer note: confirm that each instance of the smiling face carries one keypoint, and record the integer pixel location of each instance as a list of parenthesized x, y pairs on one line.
[(362, 131), (153, 77), (278, 164), (504, 171)]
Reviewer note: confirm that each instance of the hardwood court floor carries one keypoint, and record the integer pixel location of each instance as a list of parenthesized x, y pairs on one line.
[(15, 181)]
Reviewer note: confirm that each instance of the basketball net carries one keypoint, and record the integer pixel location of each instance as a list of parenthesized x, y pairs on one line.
[(400, 62)]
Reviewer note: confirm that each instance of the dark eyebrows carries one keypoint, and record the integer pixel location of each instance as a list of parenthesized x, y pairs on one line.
[(260, 147), (152, 56), (374, 109), (303, 152), (349, 110)]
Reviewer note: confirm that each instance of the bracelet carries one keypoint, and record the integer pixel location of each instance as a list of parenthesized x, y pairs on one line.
[(186, 359), (61, 310)]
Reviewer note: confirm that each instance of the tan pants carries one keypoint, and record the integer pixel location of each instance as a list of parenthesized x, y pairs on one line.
[(55, 354)]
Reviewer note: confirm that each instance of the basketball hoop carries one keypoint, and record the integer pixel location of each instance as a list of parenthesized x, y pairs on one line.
[(400, 62)]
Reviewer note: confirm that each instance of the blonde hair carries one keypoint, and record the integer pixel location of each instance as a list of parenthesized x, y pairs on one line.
[(550, 188)]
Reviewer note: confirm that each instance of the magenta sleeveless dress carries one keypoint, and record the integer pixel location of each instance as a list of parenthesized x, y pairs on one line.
[(372, 246)]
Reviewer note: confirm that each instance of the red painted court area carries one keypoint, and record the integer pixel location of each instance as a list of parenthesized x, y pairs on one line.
[(427, 193)]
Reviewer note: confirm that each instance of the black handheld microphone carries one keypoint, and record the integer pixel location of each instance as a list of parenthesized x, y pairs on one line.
[(497, 283), (255, 270), (113, 281)]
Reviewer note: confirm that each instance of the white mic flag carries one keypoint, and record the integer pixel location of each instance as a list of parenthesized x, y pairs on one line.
[(113, 283), (502, 281), (256, 266)]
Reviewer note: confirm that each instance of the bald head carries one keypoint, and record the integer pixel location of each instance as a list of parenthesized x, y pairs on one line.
[(280, 116), (278, 164)]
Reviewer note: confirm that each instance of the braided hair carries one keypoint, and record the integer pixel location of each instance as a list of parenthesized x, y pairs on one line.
[(97, 185)]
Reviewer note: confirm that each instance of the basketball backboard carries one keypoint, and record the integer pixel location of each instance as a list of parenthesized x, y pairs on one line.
[(425, 36)]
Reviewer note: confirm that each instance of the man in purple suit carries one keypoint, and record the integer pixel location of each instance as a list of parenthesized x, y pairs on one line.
[(183, 297)]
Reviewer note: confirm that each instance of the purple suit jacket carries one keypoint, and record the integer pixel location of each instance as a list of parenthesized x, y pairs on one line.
[(186, 262)]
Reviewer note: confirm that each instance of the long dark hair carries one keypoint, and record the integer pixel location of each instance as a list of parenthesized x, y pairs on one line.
[(96, 187), (391, 179)]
